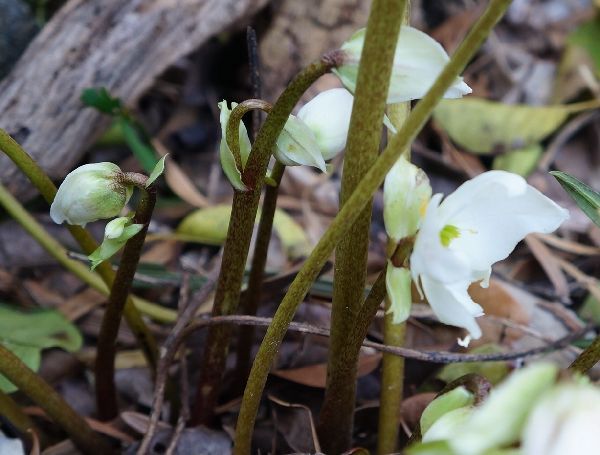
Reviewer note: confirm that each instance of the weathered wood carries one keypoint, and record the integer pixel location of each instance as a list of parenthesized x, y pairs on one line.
[(121, 45)]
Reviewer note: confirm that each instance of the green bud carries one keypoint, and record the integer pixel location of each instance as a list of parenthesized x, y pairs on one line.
[(231, 170), (458, 397), (398, 286), (116, 233), (89, 193), (406, 193)]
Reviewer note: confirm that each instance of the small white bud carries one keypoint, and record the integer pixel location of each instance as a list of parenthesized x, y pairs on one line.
[(398, 287), (406, 193), (418, 61), (328, 117), (116, 233), (89, 193)]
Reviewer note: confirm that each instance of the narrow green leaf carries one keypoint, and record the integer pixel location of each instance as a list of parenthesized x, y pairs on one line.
[(143, 152), (586, 198), (157, 171)]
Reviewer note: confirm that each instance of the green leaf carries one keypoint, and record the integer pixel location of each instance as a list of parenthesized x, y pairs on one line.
[(27, 334), (587, 36), (210, 226), (430, 448), (100, 99), (483, 126), (157, 171), (522, 161), (140, 148), (585, 197), (493, 371)]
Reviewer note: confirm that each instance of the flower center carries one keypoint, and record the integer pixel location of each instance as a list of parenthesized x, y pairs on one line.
[(449, 233)]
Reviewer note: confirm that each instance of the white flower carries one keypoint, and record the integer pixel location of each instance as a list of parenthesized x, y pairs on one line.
[(565, 421), (474, 227), (418, 61), (328, 117), (227, 159), (297, 145), (89, 193)]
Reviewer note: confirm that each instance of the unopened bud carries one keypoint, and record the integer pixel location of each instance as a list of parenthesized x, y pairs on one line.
[(228, 163), (89, 193), (116, 233)]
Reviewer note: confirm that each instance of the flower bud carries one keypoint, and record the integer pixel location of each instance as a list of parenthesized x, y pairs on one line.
[(459, 397), (564, 421), (418, 61), (406, 193), (398, 287), (328, 117), (297, 145), (116, 234), (231, 170), (89, 193)]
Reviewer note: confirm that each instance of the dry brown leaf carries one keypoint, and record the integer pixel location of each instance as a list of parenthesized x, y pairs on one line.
[(412, 407), (550, 264), (161, 252), (178, 180), (316, 375), (81, 304)]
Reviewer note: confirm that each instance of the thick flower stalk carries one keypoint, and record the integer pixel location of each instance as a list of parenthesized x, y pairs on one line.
[(418, 61), (471, 229)]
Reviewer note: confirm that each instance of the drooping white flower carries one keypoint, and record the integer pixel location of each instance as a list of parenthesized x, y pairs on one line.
[(297, 146), (328, 117), (474, 227), (89, 193), (234, 175), (418, 61), (564, 421)]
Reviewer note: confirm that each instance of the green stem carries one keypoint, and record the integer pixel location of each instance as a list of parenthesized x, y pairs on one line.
[(348, 213), (337, 414), (106, 394), (239, 234), (21, 421), (588, 358), (40, 392), (392, 372), (250, 304), (47, 189)]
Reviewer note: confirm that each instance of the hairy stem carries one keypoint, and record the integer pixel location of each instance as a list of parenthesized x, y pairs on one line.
[(40, 392), (588, 358), (250, 304), (47, 189), (337, 414), (392, 372), (15, 415), (106, 394), (235, 253), (348, 213)]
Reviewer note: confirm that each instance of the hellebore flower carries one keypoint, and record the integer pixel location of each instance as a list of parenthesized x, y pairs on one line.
[(564, 421), (89, 193), (328, 117), (297, 145), (116, 234), (418, 61), (474, 227), (226, 155)]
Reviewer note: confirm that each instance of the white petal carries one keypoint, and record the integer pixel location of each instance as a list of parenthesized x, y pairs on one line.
[(452, 304), (296, 145), (398, 287), (493, 212), (328, 116), (418, 61)]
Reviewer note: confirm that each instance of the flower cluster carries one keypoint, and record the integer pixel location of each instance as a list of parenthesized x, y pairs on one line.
[(529, 408)]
